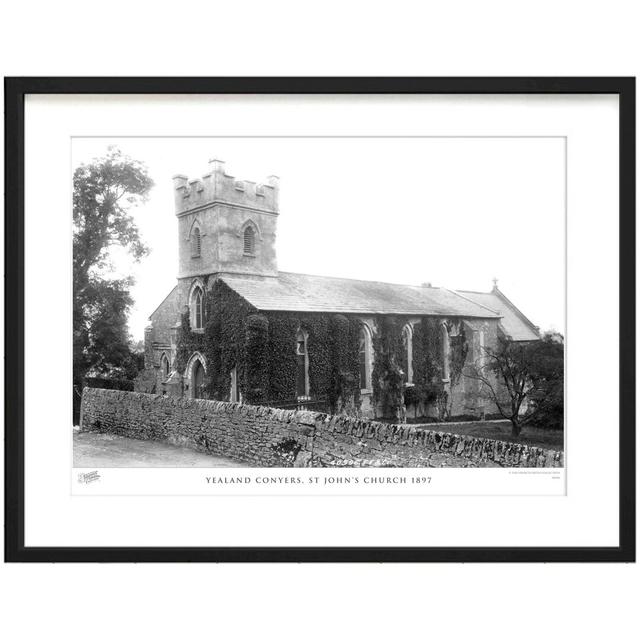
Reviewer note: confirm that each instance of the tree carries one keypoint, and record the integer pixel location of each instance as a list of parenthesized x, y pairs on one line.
[(104, 191), (525, 381), (546, 399)]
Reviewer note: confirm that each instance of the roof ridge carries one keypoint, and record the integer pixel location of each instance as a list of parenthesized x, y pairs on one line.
[(483, 293), (305, 292), (533, 326), (474, 302), (394, 284)]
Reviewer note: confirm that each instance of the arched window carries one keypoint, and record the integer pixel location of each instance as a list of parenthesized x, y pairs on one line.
[(364, 356), (196, 308), (480, 358), (445, 351), (164, 365), (302, 371), (234, 395), (407, 341), (196, 243), (197, 299), (249, 241)]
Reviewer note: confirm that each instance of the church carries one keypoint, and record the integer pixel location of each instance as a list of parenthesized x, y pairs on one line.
[(236, 328)]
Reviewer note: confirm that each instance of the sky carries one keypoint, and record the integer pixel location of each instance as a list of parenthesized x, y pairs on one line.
[(455, 212)]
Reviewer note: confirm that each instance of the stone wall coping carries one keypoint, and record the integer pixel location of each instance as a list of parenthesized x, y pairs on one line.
[(431, 425), (360, 427)]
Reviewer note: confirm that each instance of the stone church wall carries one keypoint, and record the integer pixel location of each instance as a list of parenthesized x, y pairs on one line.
[(264, 436), (165, 317), (158, 340), (467, 393)]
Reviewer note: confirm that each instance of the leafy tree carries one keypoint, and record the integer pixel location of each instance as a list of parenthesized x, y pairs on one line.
[(546, 399), (525, 381), (104, 191)]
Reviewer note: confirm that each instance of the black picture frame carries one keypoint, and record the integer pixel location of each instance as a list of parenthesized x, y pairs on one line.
[(15, 91)]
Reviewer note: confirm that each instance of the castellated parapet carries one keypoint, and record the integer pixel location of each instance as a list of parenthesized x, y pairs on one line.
[(214, 213), (218, 186)]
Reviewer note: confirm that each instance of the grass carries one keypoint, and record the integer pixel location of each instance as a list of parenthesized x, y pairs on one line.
[(501, 430)]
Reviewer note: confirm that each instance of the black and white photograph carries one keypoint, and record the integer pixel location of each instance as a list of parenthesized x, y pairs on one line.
[(350, 301)]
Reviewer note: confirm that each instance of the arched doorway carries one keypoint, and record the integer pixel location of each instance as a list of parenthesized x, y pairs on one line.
[(197, 379)]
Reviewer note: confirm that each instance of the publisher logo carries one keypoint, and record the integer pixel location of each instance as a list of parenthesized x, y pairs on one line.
[(90, 476)]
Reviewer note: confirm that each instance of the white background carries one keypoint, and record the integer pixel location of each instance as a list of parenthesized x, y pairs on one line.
[(465, 38), (53, 517)]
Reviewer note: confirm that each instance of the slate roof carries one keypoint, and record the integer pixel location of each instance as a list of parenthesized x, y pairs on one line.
[(514, 323), (306, 293)]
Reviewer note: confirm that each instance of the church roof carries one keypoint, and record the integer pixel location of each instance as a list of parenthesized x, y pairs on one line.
[(514, 323), (170, 298), (306, 293)]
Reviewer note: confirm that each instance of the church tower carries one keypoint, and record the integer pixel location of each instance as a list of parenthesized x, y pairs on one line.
[(225, 225)]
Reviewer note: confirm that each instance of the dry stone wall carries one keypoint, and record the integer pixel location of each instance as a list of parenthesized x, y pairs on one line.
[(269, 437)]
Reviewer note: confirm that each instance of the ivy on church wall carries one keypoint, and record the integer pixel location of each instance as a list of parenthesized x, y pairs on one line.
[(226, 336), (257, 359), (187, 343), (344, 386), (428, 360), (222, 343), (281, 357), (332, 346), (261, 346), (390, 393), (459, 350), (388, 376)]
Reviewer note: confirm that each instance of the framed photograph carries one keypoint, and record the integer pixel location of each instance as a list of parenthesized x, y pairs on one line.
[(320, 319)]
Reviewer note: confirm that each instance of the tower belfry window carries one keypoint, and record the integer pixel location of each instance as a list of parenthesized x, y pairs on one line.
[(249, 241), (195, 243)]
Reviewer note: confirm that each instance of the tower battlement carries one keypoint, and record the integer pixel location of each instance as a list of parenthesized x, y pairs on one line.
[(225, 225), (219, 187)]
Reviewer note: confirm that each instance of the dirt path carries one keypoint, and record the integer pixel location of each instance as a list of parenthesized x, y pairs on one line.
[(103, 451)]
